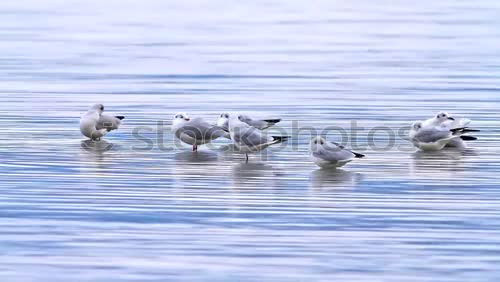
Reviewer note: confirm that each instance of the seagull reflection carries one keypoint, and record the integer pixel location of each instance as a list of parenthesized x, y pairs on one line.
[(439, 164), (196, 157), (333, 178), (95, 154), (254, 175), (199, 168), (96, 146)]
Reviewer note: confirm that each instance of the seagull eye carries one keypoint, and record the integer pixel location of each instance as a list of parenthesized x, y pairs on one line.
[(321, 142), (226, 116)]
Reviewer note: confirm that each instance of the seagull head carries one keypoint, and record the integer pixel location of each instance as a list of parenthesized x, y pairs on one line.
[(236, 120), (98, 108), (417, 126), (244, 118), (223, 120), (181, 118), (317, 143), (442, 117)]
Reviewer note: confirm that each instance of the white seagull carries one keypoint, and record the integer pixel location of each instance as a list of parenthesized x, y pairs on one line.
[(435, 138), (327, 154), (195, 131), (249, 139), (261, 124), (445, 118), (94, 124), (450, 122)]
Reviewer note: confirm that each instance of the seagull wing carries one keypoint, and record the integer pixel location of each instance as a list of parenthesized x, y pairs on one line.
[(250, 136), (333, 152), (431, 135), (201, 130), (108, 122)]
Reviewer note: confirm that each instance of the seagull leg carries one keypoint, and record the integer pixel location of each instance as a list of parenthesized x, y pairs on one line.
[(246, 161), (195, 148)]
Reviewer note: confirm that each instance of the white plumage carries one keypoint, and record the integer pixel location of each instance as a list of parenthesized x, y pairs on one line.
[(94, 124)]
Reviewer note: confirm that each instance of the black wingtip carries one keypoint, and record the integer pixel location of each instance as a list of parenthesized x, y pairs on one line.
[(280, 138), (273, 121), (225, 129), (358, 155), (468, 138), (120, 117), (464, 130)]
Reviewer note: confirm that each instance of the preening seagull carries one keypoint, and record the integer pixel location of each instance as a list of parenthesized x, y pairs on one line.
[(94, 124), (327, 154), (434, 138), (249, 139), (195, 131)]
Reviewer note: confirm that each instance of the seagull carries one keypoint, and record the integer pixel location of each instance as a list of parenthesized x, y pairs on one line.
[(195, 131), (94, 124), (437, 137), (438, 119), (327, 154), (261, 124), (444, 119), (249, 139)]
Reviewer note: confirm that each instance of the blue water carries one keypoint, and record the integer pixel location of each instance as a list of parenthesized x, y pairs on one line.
[(146, 210)]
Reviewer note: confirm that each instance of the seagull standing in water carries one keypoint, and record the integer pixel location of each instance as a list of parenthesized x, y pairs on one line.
[(435, 138), (195, 131), (443, 119), (94, 124), (249, 139), (327, 154)]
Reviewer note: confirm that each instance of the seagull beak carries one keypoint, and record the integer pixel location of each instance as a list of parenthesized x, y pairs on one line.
[(450, 118), (187, 119)]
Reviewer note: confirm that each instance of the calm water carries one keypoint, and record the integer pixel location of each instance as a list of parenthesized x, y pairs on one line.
[(70, 213)]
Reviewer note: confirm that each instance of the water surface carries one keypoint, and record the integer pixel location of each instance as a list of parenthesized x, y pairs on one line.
[(143, 212)]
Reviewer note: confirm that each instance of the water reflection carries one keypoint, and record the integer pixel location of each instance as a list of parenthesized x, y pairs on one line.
[(93, 153), (334, 178), (97, 147), (253, 175), (439, 164), (197, 169), (200, 156)]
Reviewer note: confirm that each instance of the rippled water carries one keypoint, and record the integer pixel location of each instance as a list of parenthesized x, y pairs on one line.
[(144, 213)]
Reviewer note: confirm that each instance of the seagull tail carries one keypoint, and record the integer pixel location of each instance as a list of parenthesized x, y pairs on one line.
[(279, 139), (272, 121), (468, 138), (120, 117), (358, 155)]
